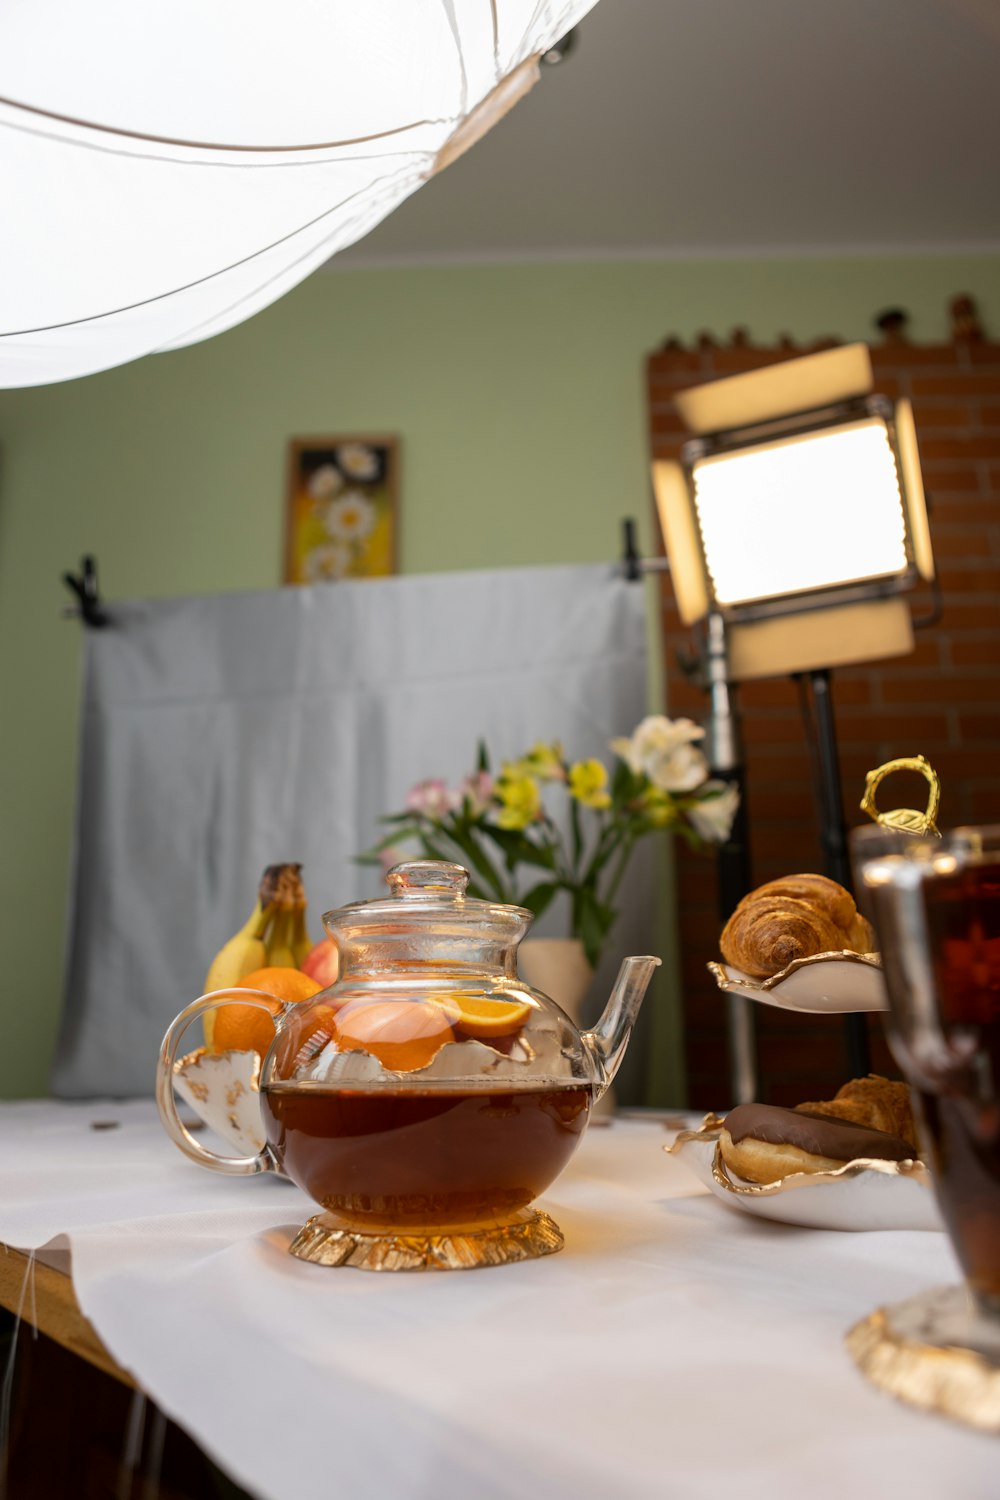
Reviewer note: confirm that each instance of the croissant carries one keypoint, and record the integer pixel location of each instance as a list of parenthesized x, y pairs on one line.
[(879, 1103), (793, 918)]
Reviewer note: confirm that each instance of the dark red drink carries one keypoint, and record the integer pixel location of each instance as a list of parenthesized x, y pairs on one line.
[(421, 1157), (956, 1066)]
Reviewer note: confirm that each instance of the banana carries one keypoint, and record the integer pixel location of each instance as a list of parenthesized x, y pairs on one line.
[(244, 952), (301, 942), (279, 945), (287, 941), (275, 937)]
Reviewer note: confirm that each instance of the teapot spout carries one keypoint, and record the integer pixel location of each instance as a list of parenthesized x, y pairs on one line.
[(609, 1038)]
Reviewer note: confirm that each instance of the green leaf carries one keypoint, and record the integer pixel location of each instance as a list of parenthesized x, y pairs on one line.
[(625, 785), (689, 835), (478, 860), (539, 898), (483, 761), (592, 921), (520, 850), (434, 851), (589, 928), (397, 835), (574, 819)]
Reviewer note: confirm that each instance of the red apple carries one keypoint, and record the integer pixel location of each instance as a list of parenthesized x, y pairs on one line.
[(322, 963)]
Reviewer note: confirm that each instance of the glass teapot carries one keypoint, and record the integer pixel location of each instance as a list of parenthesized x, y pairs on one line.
[(426, 1098)]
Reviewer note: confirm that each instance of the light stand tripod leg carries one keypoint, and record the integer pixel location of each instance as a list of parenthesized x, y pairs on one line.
[(734, 883), (834, 839), (726, 760)]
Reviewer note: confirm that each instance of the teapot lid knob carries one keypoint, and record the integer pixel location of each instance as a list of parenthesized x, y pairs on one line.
[(418, 877)]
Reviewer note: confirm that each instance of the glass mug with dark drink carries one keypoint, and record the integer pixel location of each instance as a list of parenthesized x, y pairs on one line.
[(427, 1097), (935, 904)]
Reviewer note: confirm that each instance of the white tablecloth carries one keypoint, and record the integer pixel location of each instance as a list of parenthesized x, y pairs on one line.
[(675, 1348)]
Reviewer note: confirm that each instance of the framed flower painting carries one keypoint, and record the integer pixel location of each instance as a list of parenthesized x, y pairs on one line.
[(341, 513)]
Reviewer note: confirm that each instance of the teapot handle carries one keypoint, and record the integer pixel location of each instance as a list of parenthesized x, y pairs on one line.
[(236, 1166)]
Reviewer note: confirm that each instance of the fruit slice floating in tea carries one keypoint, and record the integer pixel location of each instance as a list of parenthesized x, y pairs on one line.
[(478, 1017), (402, 1034)]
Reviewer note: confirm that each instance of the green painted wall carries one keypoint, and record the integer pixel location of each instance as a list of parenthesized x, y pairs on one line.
[(518, 393)]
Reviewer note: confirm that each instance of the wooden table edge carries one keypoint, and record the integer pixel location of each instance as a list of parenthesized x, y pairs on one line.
[(52, 1308)]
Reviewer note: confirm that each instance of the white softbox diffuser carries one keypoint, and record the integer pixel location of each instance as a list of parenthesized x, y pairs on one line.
[(168, 169)]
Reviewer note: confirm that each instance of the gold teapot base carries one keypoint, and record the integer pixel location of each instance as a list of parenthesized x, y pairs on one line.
[(327, 1240), (935, 1352)]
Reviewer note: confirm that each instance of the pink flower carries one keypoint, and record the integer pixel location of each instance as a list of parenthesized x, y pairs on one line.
[(432, 799), (478, 789), (389, 857)]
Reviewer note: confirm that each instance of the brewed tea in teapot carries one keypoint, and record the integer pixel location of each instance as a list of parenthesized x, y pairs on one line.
[(428, 1096)]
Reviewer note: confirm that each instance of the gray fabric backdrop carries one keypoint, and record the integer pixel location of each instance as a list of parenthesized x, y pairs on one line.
[(226, 733)]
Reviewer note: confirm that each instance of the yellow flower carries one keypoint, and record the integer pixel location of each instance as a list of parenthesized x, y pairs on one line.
[(520, 800), (544, 761), (659, 807), (587, 782)]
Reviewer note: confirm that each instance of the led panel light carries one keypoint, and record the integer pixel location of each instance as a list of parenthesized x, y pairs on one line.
[(819, 511)]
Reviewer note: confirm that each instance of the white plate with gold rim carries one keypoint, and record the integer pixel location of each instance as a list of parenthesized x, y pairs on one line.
[(859, 1195), (825, 984)]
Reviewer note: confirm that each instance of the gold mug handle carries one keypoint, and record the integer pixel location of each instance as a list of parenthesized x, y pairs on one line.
[(904, 819)]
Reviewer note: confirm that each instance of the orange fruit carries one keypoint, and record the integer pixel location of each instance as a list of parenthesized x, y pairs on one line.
[(246, 1028), (282, 983), (402, 1034), (477, 1016)]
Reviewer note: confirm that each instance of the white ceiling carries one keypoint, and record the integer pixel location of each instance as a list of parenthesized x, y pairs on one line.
[(729, 127)]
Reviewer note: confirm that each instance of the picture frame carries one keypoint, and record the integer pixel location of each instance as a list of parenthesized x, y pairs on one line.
[(341, 514)]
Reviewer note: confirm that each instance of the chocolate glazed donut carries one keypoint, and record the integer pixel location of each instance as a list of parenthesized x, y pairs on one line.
[(762, 1143)]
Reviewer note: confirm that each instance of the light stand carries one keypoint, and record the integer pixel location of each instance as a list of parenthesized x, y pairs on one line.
[(833, 837), (724, 752), (793, 524), (724, 748)]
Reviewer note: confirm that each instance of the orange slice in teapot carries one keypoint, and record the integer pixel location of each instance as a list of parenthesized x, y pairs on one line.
[(478, 1017), (402, 1034)]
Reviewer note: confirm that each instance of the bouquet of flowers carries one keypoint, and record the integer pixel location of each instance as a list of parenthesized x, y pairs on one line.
[(500, 828)]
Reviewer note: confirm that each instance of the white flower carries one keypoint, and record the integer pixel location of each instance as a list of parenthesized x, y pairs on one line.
[(351, 518), (661, 749), (324, 482), (681, 771), (713, 817), (358, 460), (332, 561)]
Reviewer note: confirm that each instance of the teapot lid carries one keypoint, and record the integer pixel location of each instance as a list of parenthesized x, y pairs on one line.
[(426, 892)]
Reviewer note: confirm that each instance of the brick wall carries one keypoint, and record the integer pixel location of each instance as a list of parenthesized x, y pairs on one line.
[(942, 701)]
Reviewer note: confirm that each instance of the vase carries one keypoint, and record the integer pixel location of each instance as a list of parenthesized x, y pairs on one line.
[(559, 968)]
